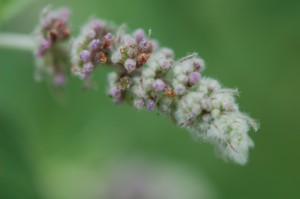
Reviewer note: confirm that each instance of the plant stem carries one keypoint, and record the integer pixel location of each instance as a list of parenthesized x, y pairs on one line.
[(16, 41)]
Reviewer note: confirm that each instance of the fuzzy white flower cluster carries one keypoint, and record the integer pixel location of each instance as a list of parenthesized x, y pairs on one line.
[(210, 113), (148, 77)]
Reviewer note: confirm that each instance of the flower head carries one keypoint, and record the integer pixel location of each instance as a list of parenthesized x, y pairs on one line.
[(93, 46), (148, 77), (52, 52)]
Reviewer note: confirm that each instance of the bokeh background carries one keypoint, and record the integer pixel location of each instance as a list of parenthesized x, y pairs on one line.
[(51, 148)]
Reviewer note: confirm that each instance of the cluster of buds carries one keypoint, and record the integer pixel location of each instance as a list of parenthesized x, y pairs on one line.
[(210, 113), (52, 52), (149, 77), (187, 73), (151, 88), (132, 51), (93, 47)]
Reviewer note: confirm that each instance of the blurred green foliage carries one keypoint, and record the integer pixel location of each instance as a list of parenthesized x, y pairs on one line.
[(52, 148), (10, 8)]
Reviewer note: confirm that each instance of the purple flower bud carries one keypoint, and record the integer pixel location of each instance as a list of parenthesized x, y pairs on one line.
[(85, 55), (108, 36), (194, 78), (129, 41), (145, 46), (165, 64), (179, 89), (115, 92), (97, 25), (130, 65), (150, 105), (108, 40), (45, 44), (139, 34), (199, 64), (88, 67), (59, 79), (158, 85), (94, 44), (139, 103)]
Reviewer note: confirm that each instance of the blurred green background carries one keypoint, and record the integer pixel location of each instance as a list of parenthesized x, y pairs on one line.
[(55, 149)]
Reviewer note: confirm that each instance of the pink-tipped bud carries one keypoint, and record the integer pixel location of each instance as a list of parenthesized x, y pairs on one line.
[(115, 92), (139, 103), (198, 64), (193, 78), (150, 105), (165, 64), (129, 41), (179, 89), (94, 44), (45, 44), (85, 55), (158, 85), (88, 67), (108, 40), (139, 34), (130, 65), (145, 46)]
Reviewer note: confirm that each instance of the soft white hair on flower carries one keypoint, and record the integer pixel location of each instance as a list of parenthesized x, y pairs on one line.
[(211, 114), (148, 77)]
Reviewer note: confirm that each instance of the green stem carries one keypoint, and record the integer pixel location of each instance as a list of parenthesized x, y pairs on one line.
[(16, 41)]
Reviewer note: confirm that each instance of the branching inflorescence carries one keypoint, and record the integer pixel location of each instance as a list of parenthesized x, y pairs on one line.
[(148, 77)]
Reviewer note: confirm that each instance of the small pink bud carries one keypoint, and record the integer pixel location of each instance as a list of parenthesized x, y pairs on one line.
[(108, 40), (94, 44), (165, 64), (158, 85), (88, 67), (145, 46), (199, 64), (130, 65), (193, 78), (85, 55), (139, 103), (115, 92), (139, 34), (45, 44), (150, 105), (129, 41), (179, 89)]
